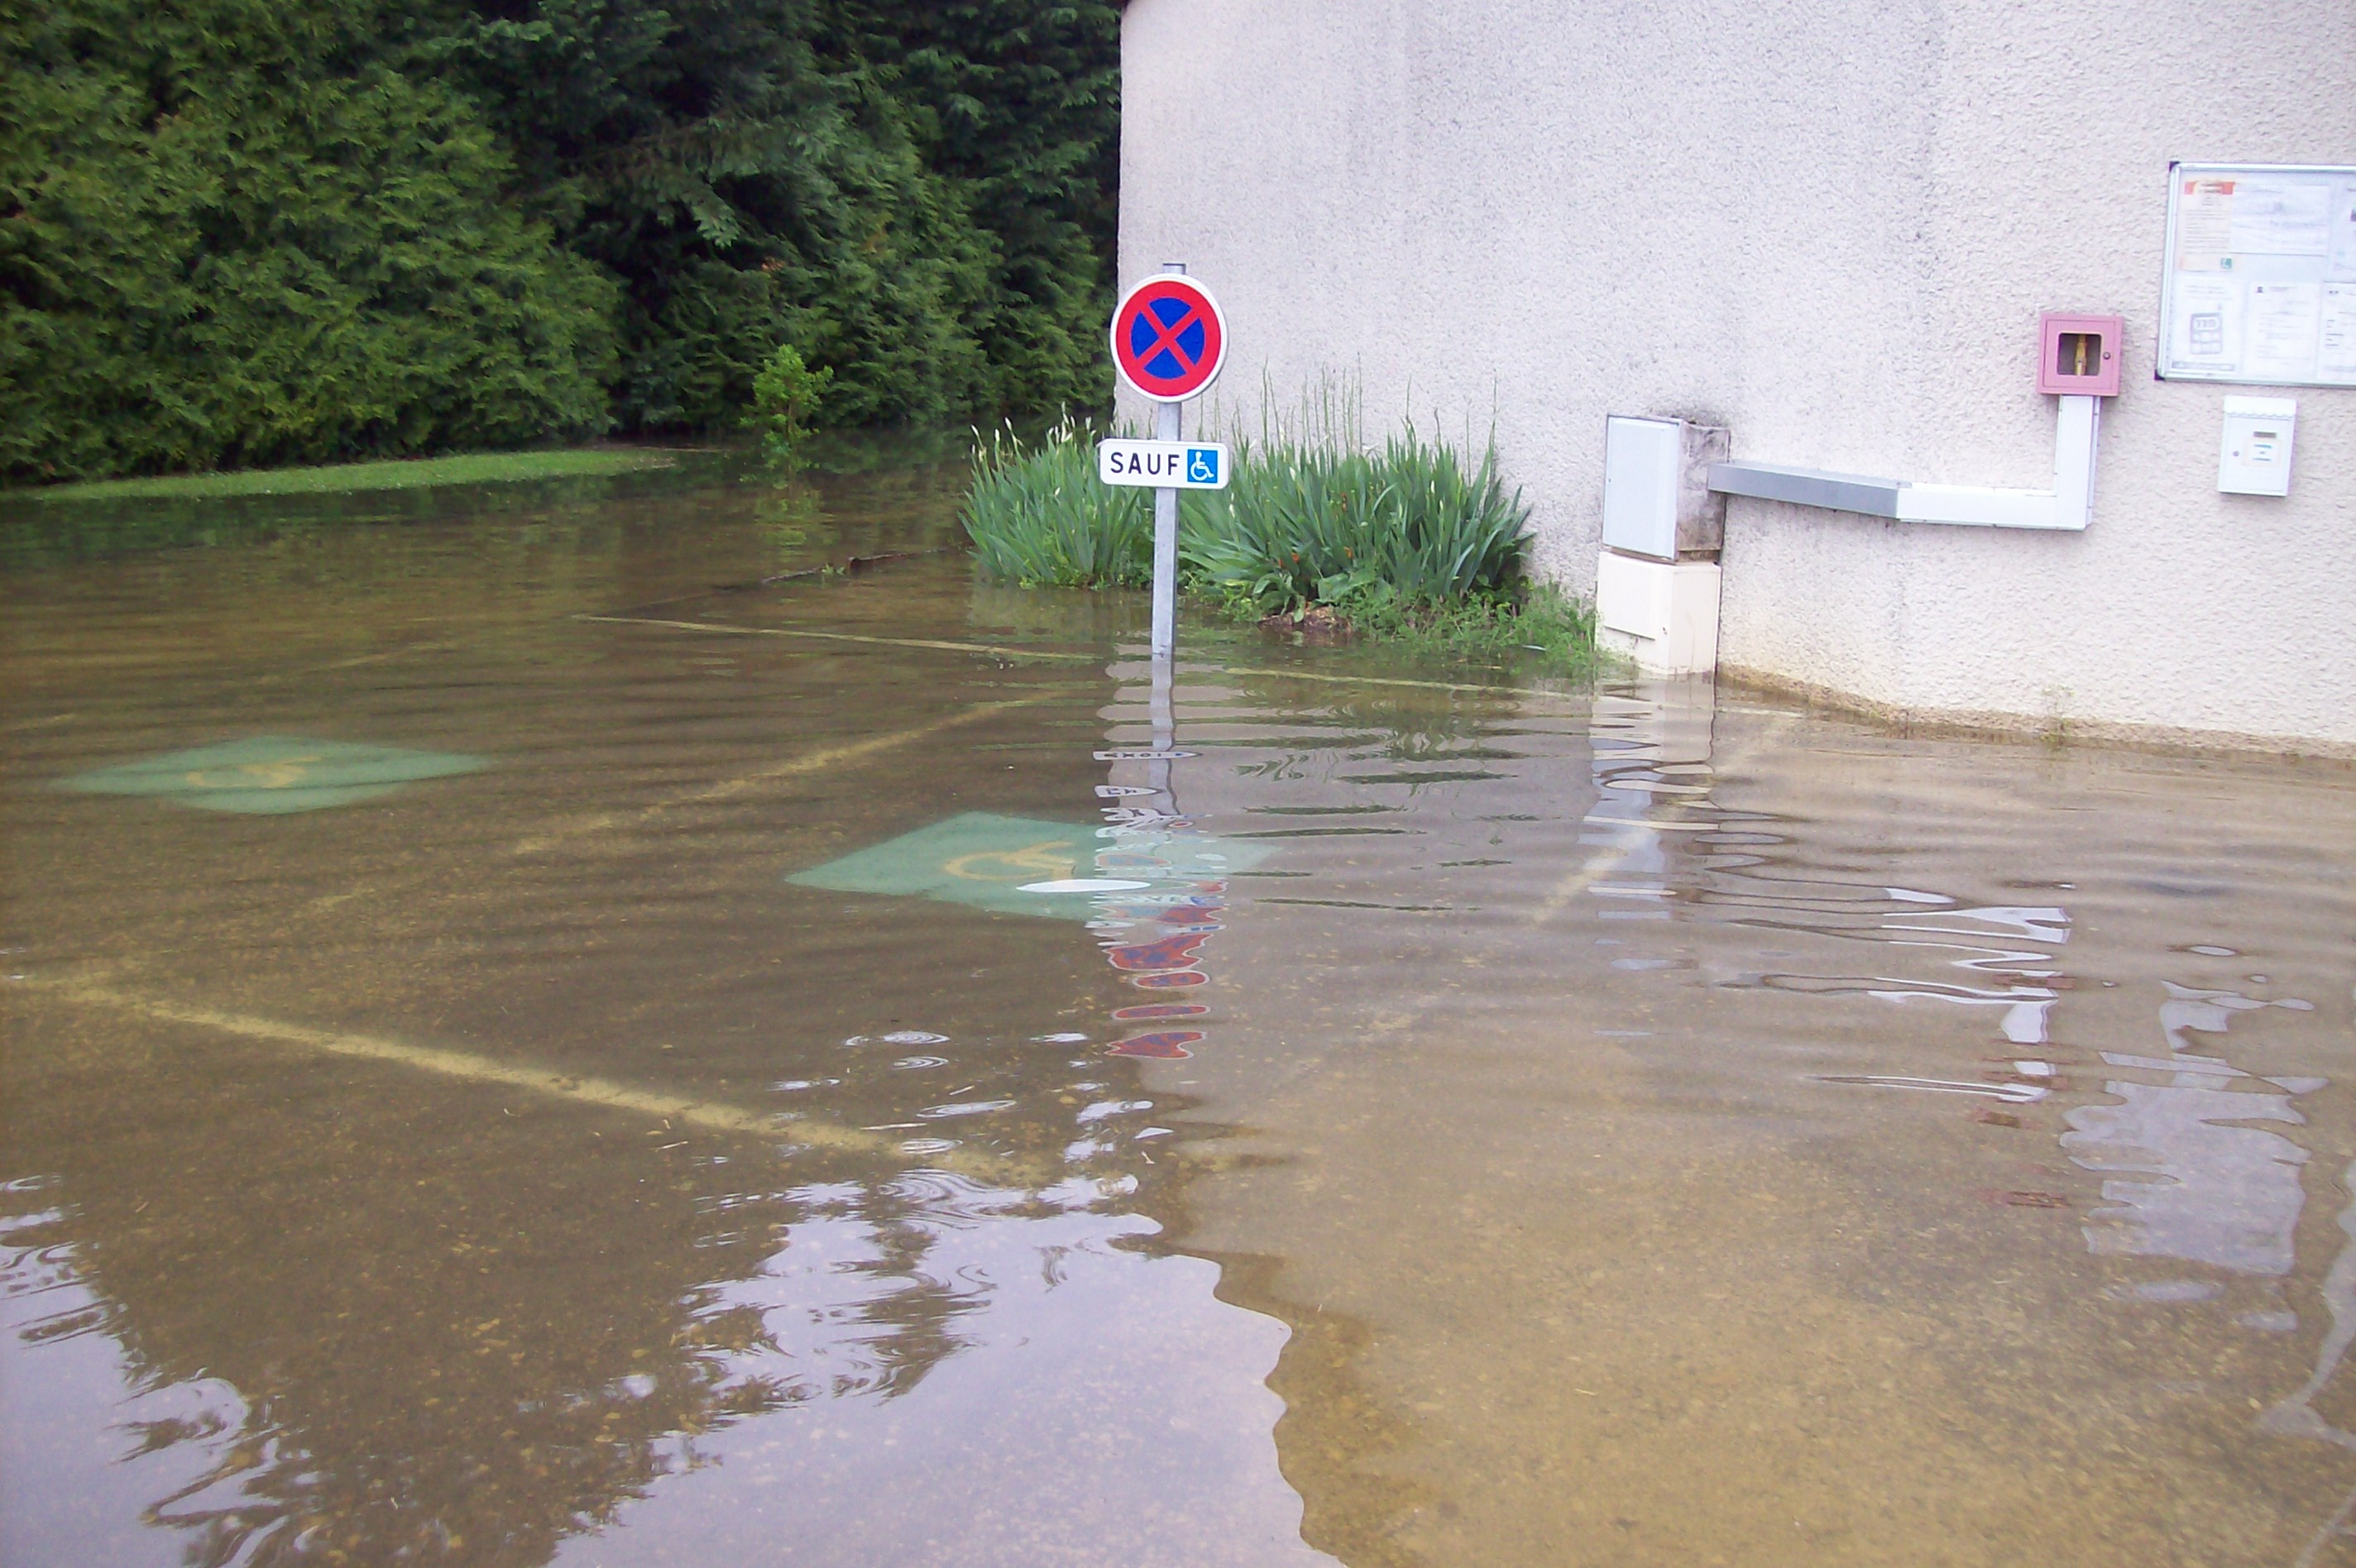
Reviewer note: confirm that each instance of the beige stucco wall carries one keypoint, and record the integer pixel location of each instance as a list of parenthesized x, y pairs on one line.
[(1828, 225)]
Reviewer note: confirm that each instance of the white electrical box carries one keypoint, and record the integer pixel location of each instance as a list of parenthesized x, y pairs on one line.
[(1640, 485), (2255, 458), (1656, 496), (1662, 614)]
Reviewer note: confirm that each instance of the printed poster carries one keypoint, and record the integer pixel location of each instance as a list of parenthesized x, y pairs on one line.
[(2261, 275), (2335, 356), (2206, 335)]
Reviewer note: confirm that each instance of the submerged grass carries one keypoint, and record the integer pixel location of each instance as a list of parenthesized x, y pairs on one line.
[(1534, 618), (468, 468), (1409, 543)]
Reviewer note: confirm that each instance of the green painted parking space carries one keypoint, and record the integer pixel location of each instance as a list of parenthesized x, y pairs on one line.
[(273, 775), (1009, 864)]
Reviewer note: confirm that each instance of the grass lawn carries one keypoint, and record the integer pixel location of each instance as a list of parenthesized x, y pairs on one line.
[(467, 468)]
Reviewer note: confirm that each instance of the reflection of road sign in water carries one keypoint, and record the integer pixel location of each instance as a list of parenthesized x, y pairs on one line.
[(273, 775), (1168, 337), (1160, 1010), (1169, 1045), (1169, 953)]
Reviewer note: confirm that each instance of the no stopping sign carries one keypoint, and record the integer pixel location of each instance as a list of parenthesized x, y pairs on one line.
[(1168, 337)]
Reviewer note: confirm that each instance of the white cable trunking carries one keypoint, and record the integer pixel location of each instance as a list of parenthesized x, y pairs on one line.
[(2067, 506)]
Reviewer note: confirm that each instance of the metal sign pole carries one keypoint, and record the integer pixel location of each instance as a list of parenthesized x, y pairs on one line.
[(1162, 711), (1165, 545), (1165, 616), (1166, 427)]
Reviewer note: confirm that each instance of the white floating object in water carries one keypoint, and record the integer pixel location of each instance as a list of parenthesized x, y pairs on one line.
[(2012, 1094), (1083, 885)]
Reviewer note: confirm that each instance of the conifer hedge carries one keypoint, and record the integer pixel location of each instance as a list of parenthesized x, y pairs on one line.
[(245, 232)]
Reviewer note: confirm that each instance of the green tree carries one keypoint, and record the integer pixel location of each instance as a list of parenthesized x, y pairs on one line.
[(230, 233), (237, 231), (1018, 103), (786, 394), (749, 190)]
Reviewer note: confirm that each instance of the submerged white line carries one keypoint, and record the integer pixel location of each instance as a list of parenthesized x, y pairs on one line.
[(727, 630), (1606, 861), (819, 761), (999, 650), (472, 1067)]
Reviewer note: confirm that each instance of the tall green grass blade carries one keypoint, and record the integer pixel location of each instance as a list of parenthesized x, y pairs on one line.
[(1038, 514)]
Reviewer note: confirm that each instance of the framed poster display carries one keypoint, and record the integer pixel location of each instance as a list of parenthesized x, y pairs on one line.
[(2260, 285)]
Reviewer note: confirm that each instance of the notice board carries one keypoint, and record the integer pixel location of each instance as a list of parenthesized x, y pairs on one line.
[(2260, 279)]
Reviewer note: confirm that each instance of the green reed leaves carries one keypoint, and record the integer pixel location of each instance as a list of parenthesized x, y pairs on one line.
[(1307, 523), (1410, 543), (1038, 514)]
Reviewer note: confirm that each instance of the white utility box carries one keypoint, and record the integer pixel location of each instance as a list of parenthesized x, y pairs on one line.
[(1664, 615), (2254, 457), (1656, 496)]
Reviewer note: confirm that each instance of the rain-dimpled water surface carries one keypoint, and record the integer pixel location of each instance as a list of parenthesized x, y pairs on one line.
[(658, 1021)]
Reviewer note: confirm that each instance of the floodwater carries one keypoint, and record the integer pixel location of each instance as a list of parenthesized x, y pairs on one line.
[(528, 1044)]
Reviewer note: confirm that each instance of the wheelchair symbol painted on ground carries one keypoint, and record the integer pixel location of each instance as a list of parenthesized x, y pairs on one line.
[(271, 775), (285, 773), (1030, 863), (1019, 865)]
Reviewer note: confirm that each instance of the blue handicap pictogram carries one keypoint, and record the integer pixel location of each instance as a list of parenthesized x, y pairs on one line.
[(1202, 465)]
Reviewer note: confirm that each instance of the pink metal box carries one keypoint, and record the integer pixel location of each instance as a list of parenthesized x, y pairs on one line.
[(2078, 353)]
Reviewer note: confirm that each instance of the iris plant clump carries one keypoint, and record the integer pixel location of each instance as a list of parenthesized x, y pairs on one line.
[(1308, 523), (1408, 542), (1038, 514)]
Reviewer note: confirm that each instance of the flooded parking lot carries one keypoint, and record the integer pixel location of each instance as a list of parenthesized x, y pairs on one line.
[(658, 1021)]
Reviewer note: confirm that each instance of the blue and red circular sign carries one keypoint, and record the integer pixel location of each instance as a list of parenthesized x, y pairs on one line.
[(1168, 337)]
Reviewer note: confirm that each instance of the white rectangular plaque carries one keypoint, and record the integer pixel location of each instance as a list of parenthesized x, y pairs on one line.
[(1164, 464)]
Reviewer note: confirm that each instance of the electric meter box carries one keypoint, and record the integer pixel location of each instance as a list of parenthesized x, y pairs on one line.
[(1657, 502), (2255, 458)]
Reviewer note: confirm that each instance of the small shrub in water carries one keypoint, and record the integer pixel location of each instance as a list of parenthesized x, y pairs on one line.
[(1038, 514), (786, 393)]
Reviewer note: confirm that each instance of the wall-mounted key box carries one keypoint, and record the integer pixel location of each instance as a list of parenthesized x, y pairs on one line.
[(2256, 457), (2079, 354)]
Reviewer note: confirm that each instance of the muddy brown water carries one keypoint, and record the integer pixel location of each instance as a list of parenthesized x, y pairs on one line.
[(527, 1043)]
